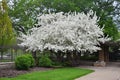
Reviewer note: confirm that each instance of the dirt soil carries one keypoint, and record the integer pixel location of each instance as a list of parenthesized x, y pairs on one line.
[(14, 72)]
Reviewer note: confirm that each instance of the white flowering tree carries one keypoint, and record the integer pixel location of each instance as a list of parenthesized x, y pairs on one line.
[(64, 32)]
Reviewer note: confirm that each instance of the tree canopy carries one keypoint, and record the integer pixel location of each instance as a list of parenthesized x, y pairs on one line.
[(7, 36), (6, 31), (24, 12), (64, 32), (106, 10)]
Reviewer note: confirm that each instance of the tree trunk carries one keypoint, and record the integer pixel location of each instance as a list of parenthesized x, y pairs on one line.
[(76, 58), (34, 54)]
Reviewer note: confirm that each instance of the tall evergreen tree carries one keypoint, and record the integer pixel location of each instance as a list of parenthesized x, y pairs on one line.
[(6, 31)]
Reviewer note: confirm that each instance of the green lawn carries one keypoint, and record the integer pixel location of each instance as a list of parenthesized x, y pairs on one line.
[(56, 74)]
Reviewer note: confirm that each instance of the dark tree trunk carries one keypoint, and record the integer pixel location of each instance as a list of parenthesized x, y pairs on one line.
[(34, 54), (60, 56), (76, 58), (68, 57)]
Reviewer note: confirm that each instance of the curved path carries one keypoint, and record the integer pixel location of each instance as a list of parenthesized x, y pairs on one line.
[(102, 73)]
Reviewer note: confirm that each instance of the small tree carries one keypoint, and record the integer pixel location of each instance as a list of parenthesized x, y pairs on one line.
[(6, 31), (64, 32)]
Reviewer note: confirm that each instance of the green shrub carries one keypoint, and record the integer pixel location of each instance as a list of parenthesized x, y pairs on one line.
[(89, 58), (24, 62), (45, 61), (31, 59), (66, 64), (55, 63)]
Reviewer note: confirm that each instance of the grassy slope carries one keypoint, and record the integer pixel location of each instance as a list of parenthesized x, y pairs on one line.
[(57, 74)]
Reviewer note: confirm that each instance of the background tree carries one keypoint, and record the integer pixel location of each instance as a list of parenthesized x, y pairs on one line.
[(6, 32), (67, 5), (106, 10), (24, 12)]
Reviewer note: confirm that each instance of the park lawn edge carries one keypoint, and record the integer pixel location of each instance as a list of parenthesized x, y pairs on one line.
[(22, 75), (90, 71)]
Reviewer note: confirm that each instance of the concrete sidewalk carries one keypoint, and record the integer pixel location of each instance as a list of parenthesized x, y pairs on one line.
[(102, 73)]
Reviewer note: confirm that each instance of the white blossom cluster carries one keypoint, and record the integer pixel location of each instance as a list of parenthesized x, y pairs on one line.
[(64, 32)]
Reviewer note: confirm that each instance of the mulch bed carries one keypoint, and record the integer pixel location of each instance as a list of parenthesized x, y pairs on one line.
[(14, 72)]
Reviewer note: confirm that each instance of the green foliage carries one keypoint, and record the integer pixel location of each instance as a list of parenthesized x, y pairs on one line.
[(24, 62), (31, 60), (67, 64), (89, 58), (6, 32), (56, 74), (45, 61), (23, 14), (57, 64), (67, 5), (110, 28), (106, 10)]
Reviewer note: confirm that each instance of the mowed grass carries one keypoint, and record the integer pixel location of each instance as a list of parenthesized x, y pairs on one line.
[(56, 74)]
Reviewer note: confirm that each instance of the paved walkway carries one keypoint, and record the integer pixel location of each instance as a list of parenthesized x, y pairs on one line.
[(102, 73)]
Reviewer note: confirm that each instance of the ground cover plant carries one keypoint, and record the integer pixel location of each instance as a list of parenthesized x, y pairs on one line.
[(56, 74)]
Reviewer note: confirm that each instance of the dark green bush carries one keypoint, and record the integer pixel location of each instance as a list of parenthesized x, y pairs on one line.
[(45, 61), (89, 58), (55, 63), (31, 59), (24, 62)]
